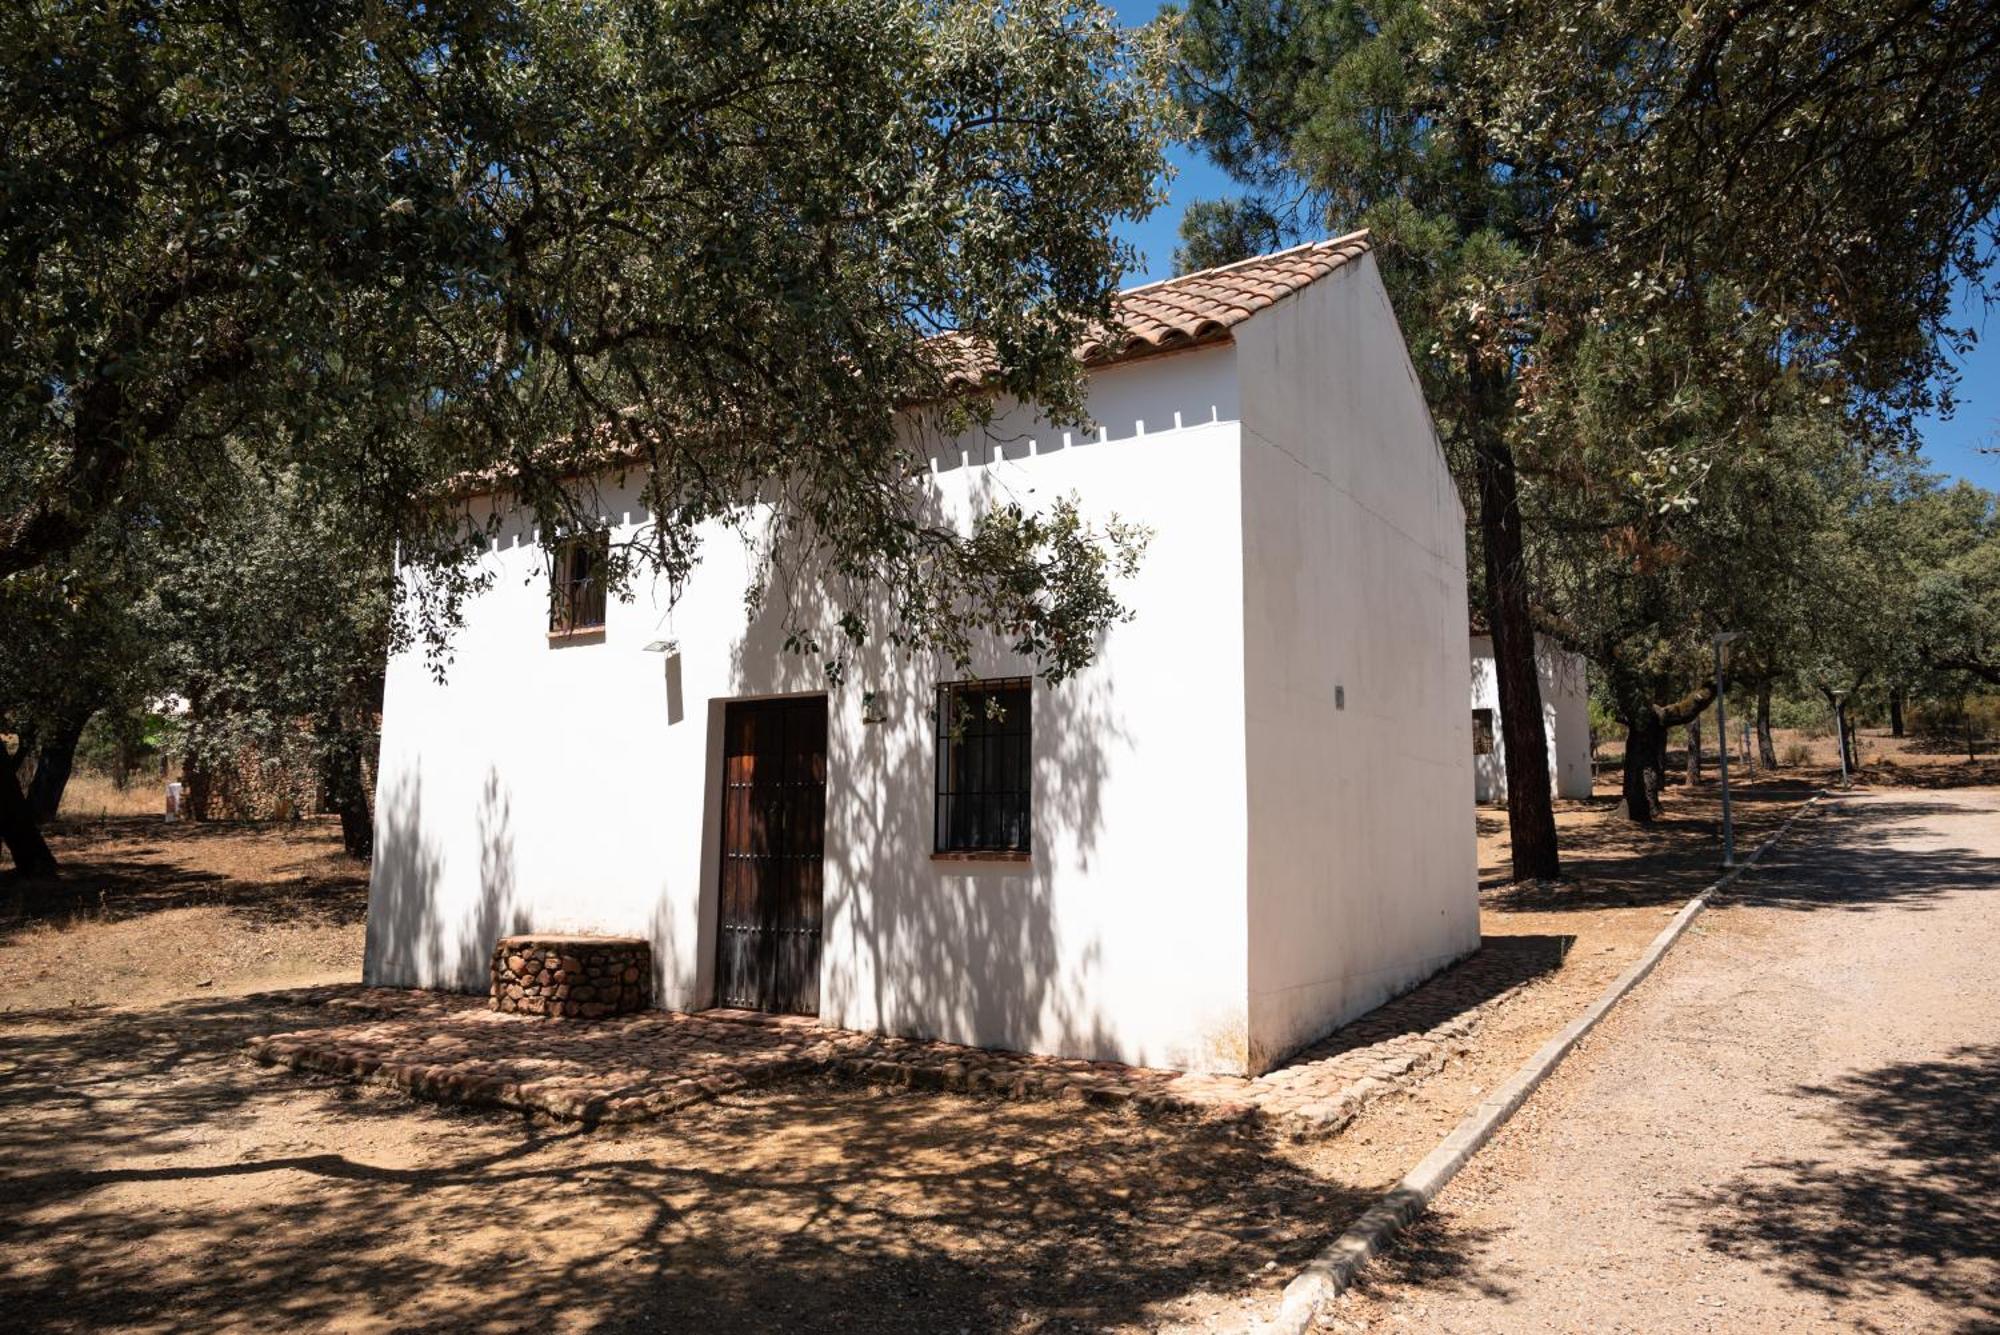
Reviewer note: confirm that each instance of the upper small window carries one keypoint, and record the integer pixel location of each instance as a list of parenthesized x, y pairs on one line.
[(983, 763), (1482, 732), (576, 584)]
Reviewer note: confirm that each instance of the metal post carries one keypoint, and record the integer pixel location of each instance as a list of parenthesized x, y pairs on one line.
[(1840, 734), (1722, 754)]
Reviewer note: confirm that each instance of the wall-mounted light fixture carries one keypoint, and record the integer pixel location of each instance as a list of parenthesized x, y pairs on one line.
[(874, 709)]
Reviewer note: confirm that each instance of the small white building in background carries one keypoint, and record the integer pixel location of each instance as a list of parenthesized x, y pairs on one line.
[(1211, 848), (1565, 719)]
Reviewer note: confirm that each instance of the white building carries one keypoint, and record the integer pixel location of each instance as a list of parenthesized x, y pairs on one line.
[(1214, 846), (1565, 720)]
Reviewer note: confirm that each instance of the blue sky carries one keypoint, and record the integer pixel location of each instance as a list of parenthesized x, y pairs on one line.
[(1951, 445)]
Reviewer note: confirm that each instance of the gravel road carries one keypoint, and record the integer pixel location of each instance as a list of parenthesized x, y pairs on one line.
[(1793, 1125)]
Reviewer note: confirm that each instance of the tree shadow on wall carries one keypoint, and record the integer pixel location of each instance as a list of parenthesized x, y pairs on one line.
[(969, 951), (417, 934), (1914, 1209)]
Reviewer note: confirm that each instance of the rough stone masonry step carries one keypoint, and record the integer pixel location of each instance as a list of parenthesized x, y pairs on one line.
[(572, 977), (645, 1065)]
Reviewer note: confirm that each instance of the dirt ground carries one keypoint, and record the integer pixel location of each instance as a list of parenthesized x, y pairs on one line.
[(1794, 1125), (158, 1181), (148, 910)]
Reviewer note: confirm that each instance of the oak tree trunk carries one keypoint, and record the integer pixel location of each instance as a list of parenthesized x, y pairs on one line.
[(55, 761), (1641, 746), (1767, 750), (19, 830), (346, 787), (1531, 817), (1694, 752), (1896, 713)]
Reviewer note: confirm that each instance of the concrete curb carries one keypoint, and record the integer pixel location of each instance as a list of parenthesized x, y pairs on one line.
[(1334, 1269)]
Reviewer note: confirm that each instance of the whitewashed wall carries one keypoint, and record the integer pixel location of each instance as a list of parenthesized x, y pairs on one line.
[(1565, 686), (1228, 863), (1362, 871), (571, 788)]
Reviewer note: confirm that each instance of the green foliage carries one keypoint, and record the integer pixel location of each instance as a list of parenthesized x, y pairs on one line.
[(360, 249), (1215, 232), (1683, 270), (1951, 718), (118, 741), (274, 625)]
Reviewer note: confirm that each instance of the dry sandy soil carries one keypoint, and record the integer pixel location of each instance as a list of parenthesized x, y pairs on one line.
[(158, 1181), (1794, 1125), (150, 911)]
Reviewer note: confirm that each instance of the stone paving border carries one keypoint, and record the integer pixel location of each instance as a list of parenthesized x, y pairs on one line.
[(452, 1049), (1334, 1268)]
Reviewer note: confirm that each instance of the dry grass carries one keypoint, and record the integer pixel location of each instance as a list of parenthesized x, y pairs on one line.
[(146, 910), (92, 796)]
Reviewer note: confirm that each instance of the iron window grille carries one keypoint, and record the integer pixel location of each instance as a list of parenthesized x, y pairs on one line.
[(983, 766), (1482, 732), (576, 584)]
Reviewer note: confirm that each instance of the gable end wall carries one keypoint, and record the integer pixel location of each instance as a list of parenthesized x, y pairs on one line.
[(1362, 876)]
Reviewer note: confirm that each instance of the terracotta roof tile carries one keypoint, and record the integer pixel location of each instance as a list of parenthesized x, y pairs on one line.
[(1181, 312), (1199, 306), (1173, 313)]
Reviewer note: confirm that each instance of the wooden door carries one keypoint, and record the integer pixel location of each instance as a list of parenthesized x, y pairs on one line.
[(773, 839)]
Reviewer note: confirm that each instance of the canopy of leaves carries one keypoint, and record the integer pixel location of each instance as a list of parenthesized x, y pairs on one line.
[(1708, 249), (365, 247)]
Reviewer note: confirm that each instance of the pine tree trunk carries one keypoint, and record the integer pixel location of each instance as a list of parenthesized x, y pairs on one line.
[(55, 761), (1531, 817), (1896, 713), (18, 828), (1767, 749), (1694, 752), (1640, 748)]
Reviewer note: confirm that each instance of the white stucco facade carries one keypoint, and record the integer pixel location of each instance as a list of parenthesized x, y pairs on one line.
[(1565, 684), (1236, 839)]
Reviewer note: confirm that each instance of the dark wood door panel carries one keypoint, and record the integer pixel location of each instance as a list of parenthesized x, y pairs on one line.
[(773, 846)]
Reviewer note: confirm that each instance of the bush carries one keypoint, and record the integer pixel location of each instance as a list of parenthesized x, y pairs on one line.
[(121, 743), (1795, 754), (1947, 720), (1805, 714)]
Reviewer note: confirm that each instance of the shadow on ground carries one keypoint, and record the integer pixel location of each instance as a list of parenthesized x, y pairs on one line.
[(1617, 864), (156, 1178), (1872, 871), (128, 866), (1613, 863), (1501, 964), (1923, 1218)]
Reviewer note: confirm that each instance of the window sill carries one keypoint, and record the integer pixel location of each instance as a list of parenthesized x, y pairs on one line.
[(985, 855), (581, 635)]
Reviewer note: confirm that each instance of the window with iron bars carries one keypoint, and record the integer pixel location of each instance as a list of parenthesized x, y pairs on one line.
[(983, 766), (576, 584)]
